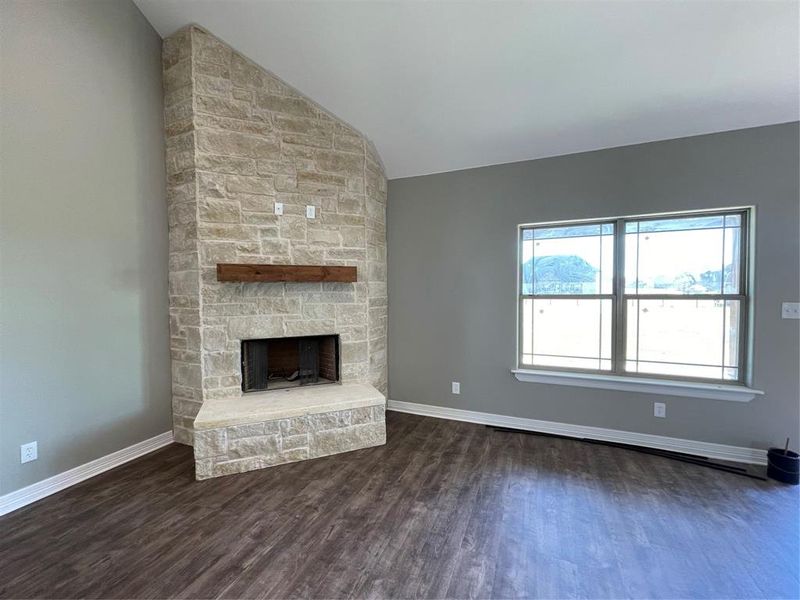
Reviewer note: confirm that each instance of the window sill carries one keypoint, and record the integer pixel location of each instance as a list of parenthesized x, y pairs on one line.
[(667, 387)]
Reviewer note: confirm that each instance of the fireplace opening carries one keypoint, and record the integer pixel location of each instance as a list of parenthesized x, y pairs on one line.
[(279, 363)]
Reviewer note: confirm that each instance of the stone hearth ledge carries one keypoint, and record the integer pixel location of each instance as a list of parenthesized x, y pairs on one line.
[(254, 431)]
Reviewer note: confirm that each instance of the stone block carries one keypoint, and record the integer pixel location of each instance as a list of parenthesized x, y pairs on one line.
[(333, 441), (294, 455), (329, 420), (243, 328), (359, 416), (242, 94), (265, 446), (184, 283), (254, 202), (214, 339), (233, 143), (211, 69), (278, 306), (210, 185), (207, 48), (294, 426), (297, 107), (353, 352), (272, 247), (319, 311), (226, 164), (292, 442), (176, 48), (350, 314), (207, 85), (177, 112), (246, 74), (223, 232), (310, 141), (249, 185), (246, 431), (210, 443), (202, 121), (308, 327), (341, 163), (349, 204), (348, 143), (293, 228), (306, 255), (203, 469), (324, 237), (303, 126), (241, 465), (177, 76), (217, 364), (222, 107), (218, 211)]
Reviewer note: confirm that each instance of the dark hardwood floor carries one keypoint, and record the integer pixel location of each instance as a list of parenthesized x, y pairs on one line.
[(446, 509)]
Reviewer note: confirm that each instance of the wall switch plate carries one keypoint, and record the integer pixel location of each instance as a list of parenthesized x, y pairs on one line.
[(456, 387), (279, 208), (28, 452), (790, 310), (659, 410), (311, 212)]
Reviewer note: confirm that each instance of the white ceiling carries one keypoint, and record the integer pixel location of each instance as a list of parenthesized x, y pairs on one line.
[(445, 85)]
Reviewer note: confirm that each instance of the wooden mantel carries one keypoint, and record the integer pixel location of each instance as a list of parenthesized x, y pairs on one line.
[(295, 273)]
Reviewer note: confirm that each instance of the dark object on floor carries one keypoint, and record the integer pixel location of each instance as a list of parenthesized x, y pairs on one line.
[(693, 459), (783, 465)]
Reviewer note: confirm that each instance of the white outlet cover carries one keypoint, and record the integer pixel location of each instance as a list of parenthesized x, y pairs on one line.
[(456, 387), (279, 208), (790, 310), (311, 212), (28, 452), (659, 409)]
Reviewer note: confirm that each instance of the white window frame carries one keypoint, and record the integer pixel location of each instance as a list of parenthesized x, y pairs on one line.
[(618, 378)]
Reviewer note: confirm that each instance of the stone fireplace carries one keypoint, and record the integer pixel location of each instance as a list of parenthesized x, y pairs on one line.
[(239, 140)]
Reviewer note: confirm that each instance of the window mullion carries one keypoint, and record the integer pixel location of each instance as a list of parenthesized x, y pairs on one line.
[(619, 323)]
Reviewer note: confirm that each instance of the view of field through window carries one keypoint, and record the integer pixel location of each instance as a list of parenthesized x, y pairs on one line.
[(682, 297)]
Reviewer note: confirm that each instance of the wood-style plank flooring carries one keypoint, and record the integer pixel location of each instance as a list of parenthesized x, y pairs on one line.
[(444, 510)]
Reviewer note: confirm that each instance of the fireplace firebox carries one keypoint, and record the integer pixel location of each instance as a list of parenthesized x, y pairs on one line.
[(279, 363)]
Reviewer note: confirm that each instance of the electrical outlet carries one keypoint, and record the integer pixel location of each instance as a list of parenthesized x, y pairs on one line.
[(456, 387), (28, 452), (660, 410), (790, 310), (311, 212), (279, 208)]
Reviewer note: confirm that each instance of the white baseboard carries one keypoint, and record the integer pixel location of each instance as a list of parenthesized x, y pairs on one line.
[(22, 497), (741, 454)]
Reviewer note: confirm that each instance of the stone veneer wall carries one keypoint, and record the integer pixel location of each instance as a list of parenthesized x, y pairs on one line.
[(239, 139)]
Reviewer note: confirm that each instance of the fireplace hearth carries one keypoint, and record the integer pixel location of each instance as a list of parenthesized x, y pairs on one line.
[(281, 363)]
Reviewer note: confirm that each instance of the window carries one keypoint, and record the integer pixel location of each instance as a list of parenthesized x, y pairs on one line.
[(658, 296)]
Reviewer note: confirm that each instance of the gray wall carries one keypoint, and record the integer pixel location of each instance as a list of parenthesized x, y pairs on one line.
[(84, 367), (452, 291)]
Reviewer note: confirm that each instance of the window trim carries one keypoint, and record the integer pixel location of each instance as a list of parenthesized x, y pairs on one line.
[(529, 372), (647, 385)]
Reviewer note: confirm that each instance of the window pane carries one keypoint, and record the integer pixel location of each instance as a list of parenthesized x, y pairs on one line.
[(568, 260), (687, 255), (730, 272), (686, 337), (567, 333), (681, 223), (527, 326)]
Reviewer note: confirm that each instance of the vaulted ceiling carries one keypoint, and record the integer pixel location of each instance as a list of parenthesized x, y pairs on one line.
[(446, 85)]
